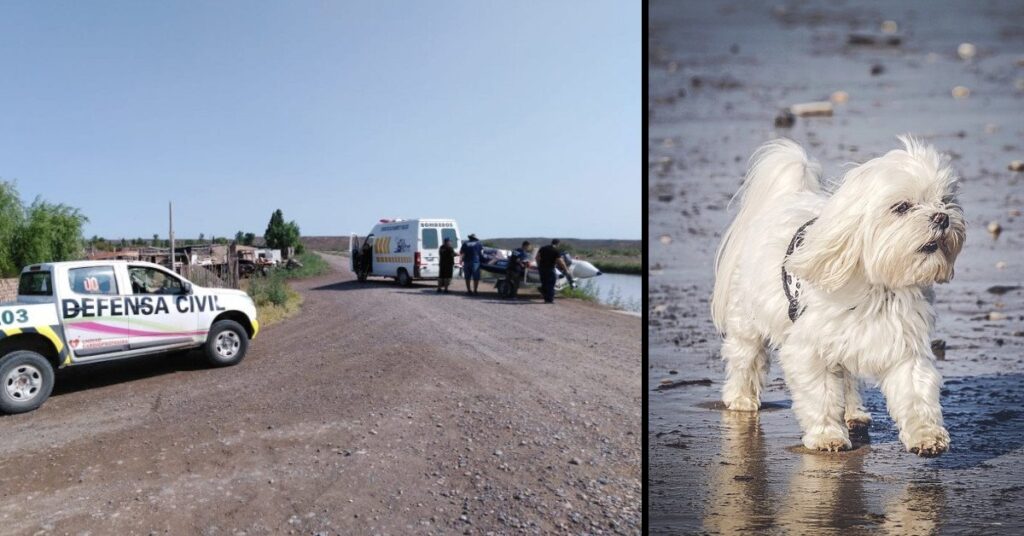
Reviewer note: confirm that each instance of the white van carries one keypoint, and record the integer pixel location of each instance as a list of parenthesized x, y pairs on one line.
[(405, 249)]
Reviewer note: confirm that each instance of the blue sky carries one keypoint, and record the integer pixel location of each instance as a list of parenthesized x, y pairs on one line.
[(516, 118)]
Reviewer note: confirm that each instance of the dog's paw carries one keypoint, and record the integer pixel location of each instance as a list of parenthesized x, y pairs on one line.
[(831, 440), (858, 422), (743, 403), (929, 444)]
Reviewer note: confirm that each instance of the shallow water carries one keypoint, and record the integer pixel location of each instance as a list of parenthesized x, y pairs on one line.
[(711, 104), (619, 290)]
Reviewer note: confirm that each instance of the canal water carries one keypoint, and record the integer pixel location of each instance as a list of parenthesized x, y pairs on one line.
[(618, 290)]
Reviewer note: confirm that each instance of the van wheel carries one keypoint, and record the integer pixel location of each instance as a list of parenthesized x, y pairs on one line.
[(403, 277), (27, 379), (226, 343)]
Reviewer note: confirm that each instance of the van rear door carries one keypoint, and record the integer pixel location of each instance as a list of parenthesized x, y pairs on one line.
[(430, 242)]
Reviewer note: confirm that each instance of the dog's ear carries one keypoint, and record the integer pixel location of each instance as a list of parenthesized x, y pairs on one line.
[(830, 253)]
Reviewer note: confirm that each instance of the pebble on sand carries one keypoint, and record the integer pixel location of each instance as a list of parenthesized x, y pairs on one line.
[(890, 27), (966, 51), (961, 92), (1001, 265), (996, 316), (806, 109), (665, 239), (994, 228), (840, 97), (784, 119), (1017, 165)]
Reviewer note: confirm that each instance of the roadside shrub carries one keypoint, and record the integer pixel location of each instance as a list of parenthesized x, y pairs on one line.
[(586, 291), (312, 266), (271, 289)]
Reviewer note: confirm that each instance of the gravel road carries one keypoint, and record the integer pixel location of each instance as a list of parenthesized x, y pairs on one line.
[(376, 410)]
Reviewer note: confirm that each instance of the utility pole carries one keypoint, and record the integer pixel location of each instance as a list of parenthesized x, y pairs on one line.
[(170, 223)]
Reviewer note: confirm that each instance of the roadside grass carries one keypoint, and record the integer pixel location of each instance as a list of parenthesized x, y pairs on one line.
[(312, 266), (586, 291), (274, 299)]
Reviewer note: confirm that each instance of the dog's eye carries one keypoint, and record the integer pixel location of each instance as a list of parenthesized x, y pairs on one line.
[(900, 208)]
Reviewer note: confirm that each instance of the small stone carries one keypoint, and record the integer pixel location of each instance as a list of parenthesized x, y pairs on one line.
[(673, 372), (890, 27), (811, 108), (576, 461), (785, 119), (840, 97), (660, 308), (994, 228), (1016, 165), (961, 92), (1001, 265), (877, 69), (996, 316), (966, 51), (665, 239)]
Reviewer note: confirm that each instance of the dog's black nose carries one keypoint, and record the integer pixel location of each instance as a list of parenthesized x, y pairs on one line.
[(941, 220)]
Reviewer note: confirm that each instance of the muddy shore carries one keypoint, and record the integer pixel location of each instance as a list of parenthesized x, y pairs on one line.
[(719, 74)]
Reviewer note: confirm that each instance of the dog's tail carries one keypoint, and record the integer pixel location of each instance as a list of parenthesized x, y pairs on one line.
[(777, 169)]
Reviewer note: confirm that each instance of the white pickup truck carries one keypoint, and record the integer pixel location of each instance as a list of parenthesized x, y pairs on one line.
[(69, 313)]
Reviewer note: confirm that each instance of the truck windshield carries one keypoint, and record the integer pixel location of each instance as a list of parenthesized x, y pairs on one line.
[(35, 284)]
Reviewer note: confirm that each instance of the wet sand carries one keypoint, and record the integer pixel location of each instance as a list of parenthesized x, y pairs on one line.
[(719, 72)]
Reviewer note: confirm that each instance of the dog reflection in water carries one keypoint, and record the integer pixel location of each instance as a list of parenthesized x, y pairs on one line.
[(825, 494)]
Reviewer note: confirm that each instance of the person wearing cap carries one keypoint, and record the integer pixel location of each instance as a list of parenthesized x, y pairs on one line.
[(471, 252), (446, 265), (549, 258)]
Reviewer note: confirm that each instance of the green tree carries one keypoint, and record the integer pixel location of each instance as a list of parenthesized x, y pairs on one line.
[(238, 237), (12, 214), (249, 239), (51, 232), (281, 235)]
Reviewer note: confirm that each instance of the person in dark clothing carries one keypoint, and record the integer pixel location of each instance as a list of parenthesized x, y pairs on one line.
[(549, 258), (518, 262), (471, 251), (447, 265), (366, 259)]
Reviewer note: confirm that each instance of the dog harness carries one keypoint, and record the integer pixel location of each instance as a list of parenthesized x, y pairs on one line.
[(790, 283)]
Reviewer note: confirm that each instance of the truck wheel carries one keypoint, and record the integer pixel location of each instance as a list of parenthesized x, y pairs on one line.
[(27, 379), (226, 343), (403, 277)]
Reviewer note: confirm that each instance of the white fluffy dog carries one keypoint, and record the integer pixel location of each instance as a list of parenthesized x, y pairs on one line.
[(840, 285)]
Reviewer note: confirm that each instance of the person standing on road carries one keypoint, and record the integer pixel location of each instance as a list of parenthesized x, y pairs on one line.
[(549, 258), (447, 265), (471, 252), (518, 263), (366, 257)]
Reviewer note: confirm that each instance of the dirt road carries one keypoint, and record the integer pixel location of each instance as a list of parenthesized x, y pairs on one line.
[(376, 410), (720, 71)]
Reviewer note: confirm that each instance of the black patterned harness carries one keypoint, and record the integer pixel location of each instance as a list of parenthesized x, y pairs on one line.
[(790, 284)]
